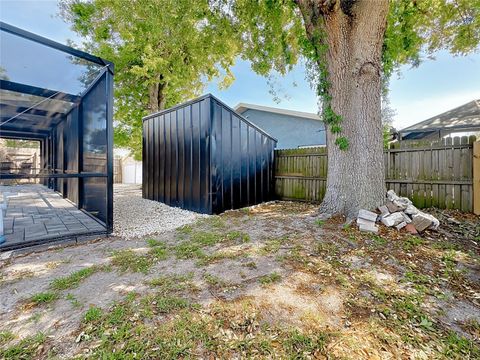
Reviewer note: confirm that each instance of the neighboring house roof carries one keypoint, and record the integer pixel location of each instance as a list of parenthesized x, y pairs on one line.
[(465, 116), (242, 107)]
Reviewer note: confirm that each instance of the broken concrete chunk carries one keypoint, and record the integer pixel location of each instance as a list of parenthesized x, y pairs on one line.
[(401, 225), (391, 195), (388, 221), (423, 221), (392, 207), (361, 221), (393, 219), (435, 222), (411, 210), (368, 227), (367, 215), (400, 203), (406, 218), (411, 229), (383, 210), (454, 221)]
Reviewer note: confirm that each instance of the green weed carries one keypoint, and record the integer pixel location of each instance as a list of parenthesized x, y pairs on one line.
[(213, 280), (378, 240), (251, 265), (127, 260), (188, 250), (92, 314), (6, 336), (158, 249), (44, 298), (270, 278), (216, 256), (167, 304), (273, 245), (185, 229), (456, 347), (25, 349), (309, 346), (238, 235), (172, 283), (73, 300), (73, 280), (412, 242)]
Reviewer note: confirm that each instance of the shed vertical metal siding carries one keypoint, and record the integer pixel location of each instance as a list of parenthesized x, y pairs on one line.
[(202, 156), (176, 156)]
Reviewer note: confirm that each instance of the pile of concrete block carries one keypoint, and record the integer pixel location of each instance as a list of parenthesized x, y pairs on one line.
[(398, 212)]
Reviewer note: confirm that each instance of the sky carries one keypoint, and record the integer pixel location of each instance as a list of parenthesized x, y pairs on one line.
[(415, 94)]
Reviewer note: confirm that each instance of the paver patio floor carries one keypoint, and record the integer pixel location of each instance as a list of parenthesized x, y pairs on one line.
[(34, 212)]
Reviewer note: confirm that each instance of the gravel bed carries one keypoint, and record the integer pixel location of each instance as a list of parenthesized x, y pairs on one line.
[(134, 216)]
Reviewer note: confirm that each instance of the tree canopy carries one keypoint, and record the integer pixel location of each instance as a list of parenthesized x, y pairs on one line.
[(165, 51)]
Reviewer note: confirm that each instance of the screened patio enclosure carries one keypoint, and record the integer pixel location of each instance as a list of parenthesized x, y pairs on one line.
[(62, 98)]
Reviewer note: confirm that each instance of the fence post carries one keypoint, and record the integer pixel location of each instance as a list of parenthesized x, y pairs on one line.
[(476, 177)]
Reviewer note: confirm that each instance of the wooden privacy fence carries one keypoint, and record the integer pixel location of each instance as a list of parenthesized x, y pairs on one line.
[(437, 174), (98, 163), (117, 170)]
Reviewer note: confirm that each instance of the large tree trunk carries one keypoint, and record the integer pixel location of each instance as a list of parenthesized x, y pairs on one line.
[(354, 32), (157, 99)]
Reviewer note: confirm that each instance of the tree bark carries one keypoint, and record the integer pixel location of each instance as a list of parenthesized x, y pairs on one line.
[(354, 33), (157, 99)]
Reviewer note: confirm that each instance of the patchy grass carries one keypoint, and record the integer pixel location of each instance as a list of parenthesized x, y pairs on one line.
[(378, 240), (25, 349), (161, 304), (251, 265), (5, 337), (445, 245), (73, 300), (319, 222), (472, 326), (128, 260), (213, 280), (238, 235), (412, 242), (269, 278), (218, 256), (272, 246), (214, 221), (73, 280), (158, 250), (234, 330), (92, 314), (185, 229), (457, 347), (299, 344), (194, 241), (168, 284), (188, 250), (43, 298), (346, 294)]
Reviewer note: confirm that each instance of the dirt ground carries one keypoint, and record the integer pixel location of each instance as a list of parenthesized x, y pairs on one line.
[(270, 281)]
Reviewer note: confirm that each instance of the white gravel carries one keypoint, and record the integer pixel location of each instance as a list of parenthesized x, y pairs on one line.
[(134, 216)]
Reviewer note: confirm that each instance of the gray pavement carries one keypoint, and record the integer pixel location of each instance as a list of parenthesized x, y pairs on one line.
[(34, 212)]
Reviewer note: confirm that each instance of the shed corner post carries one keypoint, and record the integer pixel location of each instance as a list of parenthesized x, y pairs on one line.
[(110, 157), (476, 177), (211, 153)]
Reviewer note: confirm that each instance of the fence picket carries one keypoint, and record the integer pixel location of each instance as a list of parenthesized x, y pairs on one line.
[(432, 174)]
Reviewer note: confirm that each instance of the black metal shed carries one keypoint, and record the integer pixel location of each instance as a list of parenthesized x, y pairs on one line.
[(203, 156), (62, 98)]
